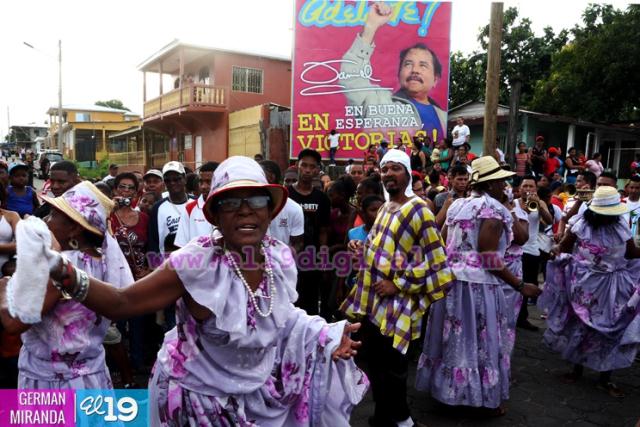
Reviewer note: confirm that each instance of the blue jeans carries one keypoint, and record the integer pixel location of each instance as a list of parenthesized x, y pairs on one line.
[(332, 155)]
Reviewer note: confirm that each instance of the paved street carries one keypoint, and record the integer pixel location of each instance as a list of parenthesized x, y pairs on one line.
[(538, 398)]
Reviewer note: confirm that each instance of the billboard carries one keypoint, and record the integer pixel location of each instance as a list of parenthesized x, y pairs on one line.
[(371, 71)]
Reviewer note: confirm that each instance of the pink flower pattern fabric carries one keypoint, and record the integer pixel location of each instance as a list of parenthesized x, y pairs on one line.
[(590, 298), (237, 368), (465, 357)]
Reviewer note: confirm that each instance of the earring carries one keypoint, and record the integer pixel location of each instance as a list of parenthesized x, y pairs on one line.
[(73, 243)]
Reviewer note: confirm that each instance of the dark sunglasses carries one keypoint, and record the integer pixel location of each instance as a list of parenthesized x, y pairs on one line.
[(232, 204)]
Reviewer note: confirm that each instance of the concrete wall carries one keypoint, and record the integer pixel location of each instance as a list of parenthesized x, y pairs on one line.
[(276, 80), (244, 132)]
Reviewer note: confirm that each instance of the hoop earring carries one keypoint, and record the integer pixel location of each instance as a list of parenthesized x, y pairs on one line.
[(73, 243)]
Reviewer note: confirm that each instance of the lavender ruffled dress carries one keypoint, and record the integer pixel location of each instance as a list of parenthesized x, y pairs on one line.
[(65, 349), (513, 261), (466, 354), (238, 368), (592, 299)]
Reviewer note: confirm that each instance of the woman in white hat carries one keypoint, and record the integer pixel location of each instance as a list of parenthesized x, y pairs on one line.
[(241, 353), (64, 349), (466, 355), (592, 295)]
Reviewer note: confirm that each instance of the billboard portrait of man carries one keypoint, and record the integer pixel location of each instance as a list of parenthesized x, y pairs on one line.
[(419, 71)]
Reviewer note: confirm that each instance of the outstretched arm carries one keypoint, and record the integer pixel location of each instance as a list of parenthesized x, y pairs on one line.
[(151, 293)]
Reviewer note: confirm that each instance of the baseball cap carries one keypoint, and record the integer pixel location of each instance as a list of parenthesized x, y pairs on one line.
[(17, 165), (173, 166), (153, 172)]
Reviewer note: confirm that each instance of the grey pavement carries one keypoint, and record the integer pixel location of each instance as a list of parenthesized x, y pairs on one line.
[(537, 397)]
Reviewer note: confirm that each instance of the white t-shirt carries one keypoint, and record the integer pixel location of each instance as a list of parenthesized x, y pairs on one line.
[(289, 222), (532, 247), (333, 140), (193, 224), (634, 208), (168, 220), (463, 132)]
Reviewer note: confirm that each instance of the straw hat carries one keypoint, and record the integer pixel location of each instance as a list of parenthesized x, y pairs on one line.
[(606, 201), (240, 172), (86, 205), (486, 168)]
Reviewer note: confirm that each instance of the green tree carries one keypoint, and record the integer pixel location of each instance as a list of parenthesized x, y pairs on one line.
[(113, 103), (523, 55), (595, 77)]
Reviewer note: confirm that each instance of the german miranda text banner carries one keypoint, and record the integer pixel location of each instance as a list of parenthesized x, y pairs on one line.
[(371, 71)]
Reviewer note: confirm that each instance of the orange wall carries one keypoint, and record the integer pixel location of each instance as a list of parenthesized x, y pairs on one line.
[(276, 80)]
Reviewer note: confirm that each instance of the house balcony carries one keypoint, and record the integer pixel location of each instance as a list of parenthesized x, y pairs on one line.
[(193, 97)]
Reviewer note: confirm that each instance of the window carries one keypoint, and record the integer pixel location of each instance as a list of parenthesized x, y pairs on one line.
[(247, 80), (83, 117)]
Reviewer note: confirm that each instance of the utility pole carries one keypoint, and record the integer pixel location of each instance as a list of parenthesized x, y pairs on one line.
[(492, 81), (60, 144), (512, 132)]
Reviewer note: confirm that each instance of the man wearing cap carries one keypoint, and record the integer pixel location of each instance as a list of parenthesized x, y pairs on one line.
[(403, 271), (113, 172), (164, 220), (552, 164), (315, 204), (165, 215), (153, 182)]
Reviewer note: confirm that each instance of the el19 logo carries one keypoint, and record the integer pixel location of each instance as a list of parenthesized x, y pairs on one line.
[(112, 407), (127, 408)]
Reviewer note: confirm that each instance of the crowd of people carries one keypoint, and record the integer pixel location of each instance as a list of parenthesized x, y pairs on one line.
[(262, 296)]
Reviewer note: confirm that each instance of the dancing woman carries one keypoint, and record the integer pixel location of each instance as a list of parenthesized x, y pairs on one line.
[(241, 353), (466, 354), (64, 349), (592, 295)]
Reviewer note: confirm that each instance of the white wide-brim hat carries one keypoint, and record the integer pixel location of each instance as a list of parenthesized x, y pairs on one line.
[(239, 172), (486, 168), (606, 201)]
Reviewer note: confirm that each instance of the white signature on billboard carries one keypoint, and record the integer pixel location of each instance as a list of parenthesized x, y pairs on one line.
[(331, 85)]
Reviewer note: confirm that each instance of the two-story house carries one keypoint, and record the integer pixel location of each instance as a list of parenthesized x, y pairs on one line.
[(27, 137), (86, 130), (198, 87)]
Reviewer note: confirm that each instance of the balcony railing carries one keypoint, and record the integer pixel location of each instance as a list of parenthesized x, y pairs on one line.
[(194, 95)]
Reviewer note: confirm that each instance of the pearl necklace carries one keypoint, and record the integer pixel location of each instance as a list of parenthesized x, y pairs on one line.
[(270, 279)]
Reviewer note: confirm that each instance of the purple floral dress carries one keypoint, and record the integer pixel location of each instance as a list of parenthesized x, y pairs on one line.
[(238, 368), (513, 261), (65, 349), (466, 354), (592, 298)]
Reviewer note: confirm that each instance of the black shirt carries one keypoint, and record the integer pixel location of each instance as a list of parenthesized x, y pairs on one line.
[(316, 208)]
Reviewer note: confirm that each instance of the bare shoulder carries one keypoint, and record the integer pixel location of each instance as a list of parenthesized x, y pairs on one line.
[(11, 216)]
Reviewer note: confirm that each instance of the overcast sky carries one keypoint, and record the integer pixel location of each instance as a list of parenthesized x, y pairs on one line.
[(104, 42)]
